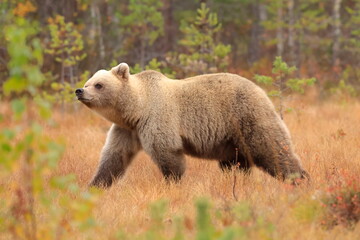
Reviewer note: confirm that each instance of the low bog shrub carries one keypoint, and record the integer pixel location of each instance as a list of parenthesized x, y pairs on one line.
[(342, 200)]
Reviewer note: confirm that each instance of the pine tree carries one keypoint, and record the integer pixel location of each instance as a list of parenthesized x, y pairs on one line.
[(143, 26), (203, 52)]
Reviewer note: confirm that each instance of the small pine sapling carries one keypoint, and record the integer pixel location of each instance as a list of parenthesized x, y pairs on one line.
[(283, 82)]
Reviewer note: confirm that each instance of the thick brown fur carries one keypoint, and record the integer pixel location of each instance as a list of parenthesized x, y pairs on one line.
[(207, 116)]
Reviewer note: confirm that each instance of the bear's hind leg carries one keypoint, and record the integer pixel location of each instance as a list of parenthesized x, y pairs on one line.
[(120, 148)]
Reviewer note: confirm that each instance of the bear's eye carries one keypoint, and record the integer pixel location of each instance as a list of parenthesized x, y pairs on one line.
[(98, 86)]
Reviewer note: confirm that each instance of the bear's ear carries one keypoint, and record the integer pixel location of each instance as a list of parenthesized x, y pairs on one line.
[(121, 71)]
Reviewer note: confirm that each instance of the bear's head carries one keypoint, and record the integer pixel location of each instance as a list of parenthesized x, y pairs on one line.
[(103, 88), (106, 91)]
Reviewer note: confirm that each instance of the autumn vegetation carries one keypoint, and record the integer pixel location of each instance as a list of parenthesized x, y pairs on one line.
[(303, 53)]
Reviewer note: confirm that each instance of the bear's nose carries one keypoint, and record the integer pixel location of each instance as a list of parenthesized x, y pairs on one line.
[(79, 91)]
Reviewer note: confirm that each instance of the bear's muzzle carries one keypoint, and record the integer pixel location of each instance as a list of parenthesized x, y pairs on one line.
[(79, 92)]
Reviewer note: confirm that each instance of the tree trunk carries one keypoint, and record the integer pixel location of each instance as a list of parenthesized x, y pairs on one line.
[(95, 32), (169, 25), (336, 32), (279, 30), (74, 79), (71, 73), (62, 80), (142, 54), (291, 37), (100, 36), (254, 44)]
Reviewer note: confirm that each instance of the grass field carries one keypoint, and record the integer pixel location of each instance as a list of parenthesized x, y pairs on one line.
[(325, 135)]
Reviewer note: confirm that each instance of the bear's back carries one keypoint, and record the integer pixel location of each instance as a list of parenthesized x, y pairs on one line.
[(218, 88), (218, 81), (209, 108)]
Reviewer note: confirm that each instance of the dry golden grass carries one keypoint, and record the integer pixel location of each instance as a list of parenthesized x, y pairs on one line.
[(326, 137)]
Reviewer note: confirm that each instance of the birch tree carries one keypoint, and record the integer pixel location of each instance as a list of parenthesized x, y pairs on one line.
[(336, 32)]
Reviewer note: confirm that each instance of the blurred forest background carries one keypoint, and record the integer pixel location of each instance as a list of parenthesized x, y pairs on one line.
[(180, 38), (49, 153)]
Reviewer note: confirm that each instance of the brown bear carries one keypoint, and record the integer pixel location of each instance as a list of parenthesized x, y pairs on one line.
[(214, 116)]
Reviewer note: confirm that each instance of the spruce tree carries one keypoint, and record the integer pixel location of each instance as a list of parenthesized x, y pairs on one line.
[(202, 50)]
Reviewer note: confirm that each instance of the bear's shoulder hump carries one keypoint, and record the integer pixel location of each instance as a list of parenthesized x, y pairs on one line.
[(150, 75)]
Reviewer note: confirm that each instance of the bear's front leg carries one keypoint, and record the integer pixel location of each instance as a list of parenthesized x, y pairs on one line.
[(120, 148)]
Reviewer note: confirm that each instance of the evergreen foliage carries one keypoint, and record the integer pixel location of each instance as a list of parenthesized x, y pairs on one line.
[(282, 81), (202, 50), (143, 25)]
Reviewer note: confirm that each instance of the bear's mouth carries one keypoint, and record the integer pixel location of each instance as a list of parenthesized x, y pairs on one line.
[(84, 99)]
